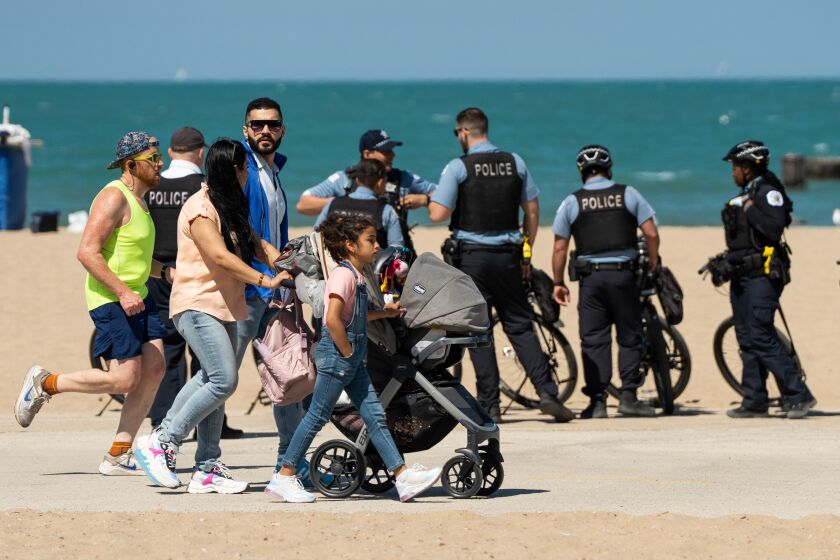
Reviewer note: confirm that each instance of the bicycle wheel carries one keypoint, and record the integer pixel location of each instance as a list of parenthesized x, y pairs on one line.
[(656, 355), (513, 381), (679, 361), (728, 357), (99, 362)]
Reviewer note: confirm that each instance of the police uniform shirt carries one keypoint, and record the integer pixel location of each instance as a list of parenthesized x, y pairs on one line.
[(270, 181), (455, 173), (165, 204), (390, 220), (337, 184), (569, 209), (767, 213)]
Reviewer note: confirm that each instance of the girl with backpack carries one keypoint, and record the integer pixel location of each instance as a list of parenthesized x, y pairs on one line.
[(339, 358)]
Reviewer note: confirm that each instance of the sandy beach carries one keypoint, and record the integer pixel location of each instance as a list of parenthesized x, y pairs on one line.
[(577, 491)]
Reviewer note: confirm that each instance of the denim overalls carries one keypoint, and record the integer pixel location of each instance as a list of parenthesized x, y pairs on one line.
[(336, 373)]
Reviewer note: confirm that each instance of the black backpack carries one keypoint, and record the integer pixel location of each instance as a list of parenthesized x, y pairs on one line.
[(543, 289), (670, 295)]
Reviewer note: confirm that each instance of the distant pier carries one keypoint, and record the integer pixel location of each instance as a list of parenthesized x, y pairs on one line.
[(797, 169)]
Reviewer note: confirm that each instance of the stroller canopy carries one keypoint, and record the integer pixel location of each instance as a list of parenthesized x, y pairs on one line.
[(440, 296)]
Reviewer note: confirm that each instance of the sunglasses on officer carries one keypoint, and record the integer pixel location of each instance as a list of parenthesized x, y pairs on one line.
[(459, 129), (258, 126)]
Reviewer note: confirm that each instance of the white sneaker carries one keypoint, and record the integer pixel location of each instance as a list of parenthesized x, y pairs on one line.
[(157, 459), (218, 480), (288, 489), (416, 480), (124, 465), (32, 396)]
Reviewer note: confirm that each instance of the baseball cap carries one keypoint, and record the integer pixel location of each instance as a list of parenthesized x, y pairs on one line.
[(377, 140), (187, 139), (131, 144)]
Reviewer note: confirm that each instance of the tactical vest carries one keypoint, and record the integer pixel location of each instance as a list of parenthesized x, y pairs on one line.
[(489, 198), (165, 204), (741, 237), (370, 209), (603, 223)]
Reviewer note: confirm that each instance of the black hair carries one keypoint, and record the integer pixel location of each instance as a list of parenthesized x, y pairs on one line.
[(592, 170), (475, 120), (367, 172), (264, 103), (338, 229), (227, 196)]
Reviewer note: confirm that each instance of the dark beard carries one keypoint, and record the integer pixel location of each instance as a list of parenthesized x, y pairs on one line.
[(256, 147)]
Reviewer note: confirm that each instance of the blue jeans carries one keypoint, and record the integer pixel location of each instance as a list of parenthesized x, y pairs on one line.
[(201, 400), (288, 417), (334, 374)]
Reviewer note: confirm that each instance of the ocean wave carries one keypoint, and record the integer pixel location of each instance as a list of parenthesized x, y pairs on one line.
[(442, 118), (660, 176)]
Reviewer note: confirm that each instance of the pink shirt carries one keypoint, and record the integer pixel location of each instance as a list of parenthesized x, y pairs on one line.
[(199, 285), (341, 284)]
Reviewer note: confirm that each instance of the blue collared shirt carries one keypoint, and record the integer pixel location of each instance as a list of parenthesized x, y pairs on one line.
[(390, 220), (455, 173), (338, 184), (569, 209)]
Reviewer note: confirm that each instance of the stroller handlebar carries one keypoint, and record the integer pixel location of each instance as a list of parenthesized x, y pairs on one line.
[(468, 341)]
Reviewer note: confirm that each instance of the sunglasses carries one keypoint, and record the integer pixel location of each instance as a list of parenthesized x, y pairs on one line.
[(259, 126), (458, 130), (151, 158)]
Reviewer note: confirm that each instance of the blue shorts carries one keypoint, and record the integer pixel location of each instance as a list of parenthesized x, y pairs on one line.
[(118, 336)]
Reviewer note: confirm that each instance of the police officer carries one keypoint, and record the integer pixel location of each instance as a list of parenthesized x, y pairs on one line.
[(482, 192), (754, 222), (603, 217), (366, 200), (181, 180), (404, 189)]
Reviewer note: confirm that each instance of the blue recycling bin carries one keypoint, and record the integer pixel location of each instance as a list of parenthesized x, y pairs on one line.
[(13, 178)]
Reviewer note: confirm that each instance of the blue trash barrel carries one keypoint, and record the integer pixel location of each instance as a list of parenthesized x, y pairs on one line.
[(13, 177)]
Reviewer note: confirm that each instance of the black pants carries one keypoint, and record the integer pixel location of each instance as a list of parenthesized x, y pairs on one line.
[(174, 351), (607, 298), (754, 304), (498, 276)]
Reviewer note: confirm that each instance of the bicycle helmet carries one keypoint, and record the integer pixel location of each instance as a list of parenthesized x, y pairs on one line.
[(751, 152), (593, 156)]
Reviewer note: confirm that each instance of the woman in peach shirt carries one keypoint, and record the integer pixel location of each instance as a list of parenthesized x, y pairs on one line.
[(215, 243)]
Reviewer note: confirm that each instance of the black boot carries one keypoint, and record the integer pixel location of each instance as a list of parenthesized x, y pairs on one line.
[(630, 405), (549, 404), (597, 409)]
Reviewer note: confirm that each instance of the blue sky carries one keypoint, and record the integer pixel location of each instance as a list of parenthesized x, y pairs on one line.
[(430, 39)]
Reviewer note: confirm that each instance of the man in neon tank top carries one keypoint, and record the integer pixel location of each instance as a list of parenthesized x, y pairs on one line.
[(116, 250)]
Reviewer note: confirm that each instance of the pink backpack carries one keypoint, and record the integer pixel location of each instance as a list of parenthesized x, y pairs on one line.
[(287, 371)]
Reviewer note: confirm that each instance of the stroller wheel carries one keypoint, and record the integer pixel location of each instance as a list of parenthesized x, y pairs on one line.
[(377, 478), (461, 477), (337, 469), (493, 473)]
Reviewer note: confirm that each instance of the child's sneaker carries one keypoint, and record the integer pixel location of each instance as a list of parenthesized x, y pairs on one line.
[(218, 480), (157, 459), (120, 466), (416, 480), (288, 489)]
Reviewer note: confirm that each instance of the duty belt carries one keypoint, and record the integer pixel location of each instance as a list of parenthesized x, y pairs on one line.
[(594, 266), (506, 248)]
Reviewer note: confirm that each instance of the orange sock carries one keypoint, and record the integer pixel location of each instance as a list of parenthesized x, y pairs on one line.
[(119, 447), (50, 384)]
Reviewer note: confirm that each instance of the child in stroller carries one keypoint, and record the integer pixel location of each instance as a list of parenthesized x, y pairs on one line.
[(408, 363)]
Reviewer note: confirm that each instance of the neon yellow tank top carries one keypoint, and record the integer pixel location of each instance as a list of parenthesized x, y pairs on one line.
[(128, 252)]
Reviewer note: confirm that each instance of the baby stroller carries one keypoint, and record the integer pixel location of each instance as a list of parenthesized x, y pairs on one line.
[(407, 361)]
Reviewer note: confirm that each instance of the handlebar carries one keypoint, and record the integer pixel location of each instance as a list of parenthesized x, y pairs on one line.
[(290, 284)]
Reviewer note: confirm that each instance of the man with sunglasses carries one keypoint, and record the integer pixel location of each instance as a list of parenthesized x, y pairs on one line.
[(404, 190), (263, 131), (482, 193), (116, 249)]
